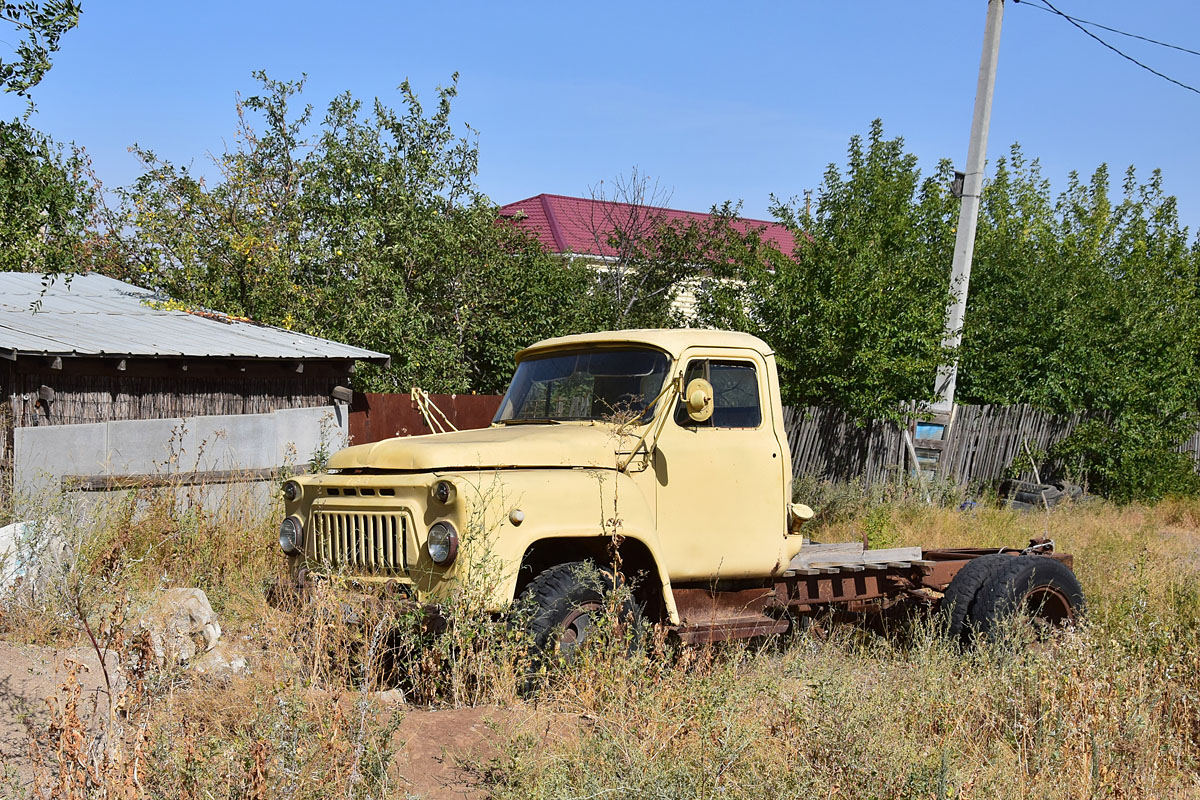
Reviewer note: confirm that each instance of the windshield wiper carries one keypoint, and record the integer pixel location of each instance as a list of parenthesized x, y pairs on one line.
[(530, 421)]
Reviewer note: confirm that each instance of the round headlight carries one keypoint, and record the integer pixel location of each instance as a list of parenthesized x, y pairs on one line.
[(442, 543), (443, 492), (291, 535), (291, 491)]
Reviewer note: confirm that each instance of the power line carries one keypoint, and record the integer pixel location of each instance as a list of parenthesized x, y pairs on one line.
[(1114, 30), (1122, 54)]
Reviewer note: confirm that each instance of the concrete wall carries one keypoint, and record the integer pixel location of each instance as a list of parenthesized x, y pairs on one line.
[(44, 455)]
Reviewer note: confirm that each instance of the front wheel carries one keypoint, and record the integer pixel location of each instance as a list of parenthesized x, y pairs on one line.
[(566, 601)]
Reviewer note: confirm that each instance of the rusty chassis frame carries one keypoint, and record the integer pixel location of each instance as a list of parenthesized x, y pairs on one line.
[(710, 614)]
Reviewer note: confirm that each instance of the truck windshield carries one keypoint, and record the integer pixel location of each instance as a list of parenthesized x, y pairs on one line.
[(608, 385)]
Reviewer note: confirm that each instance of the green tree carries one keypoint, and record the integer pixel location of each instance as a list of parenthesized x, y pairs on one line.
[(1086, 305), (855, 314), (45, 202), (1017, 299), (45, 192), (39, 27), (372, 231)]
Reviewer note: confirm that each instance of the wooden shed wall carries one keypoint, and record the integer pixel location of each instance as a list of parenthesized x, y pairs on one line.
[(93, 398), (87, 389), (95, 390), (7, 379)]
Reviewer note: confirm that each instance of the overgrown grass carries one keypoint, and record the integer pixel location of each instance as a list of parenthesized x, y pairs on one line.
[(1111, 710), (864, 719)]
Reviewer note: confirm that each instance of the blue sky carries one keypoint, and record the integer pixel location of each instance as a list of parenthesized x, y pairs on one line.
[(716, 101)]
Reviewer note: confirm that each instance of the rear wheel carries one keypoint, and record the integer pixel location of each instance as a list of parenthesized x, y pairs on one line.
[(1041, 589), (955, 608)]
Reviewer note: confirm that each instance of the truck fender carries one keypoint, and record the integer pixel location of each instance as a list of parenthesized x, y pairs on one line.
[(638, 556)]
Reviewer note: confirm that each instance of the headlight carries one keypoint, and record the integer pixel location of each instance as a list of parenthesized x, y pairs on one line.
[(443, 492), (442, 543), (291, 491), (291, 535)]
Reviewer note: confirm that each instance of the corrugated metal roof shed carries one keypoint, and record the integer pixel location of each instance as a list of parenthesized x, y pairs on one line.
[(92, 315)]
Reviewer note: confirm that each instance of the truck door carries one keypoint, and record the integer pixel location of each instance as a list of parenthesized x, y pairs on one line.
[(721, 501)]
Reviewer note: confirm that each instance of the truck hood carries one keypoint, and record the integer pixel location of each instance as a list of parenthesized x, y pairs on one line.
[(523, 445)]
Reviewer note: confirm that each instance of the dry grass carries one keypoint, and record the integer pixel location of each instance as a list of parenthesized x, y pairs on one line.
[(1112, 710)]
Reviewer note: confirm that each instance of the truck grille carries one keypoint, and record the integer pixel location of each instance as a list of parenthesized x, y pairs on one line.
[(362, 542)]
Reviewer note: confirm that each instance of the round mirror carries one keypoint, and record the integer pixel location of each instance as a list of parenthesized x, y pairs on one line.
[(699, 399)]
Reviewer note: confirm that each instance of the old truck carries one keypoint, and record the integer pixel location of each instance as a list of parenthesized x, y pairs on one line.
[(657, 459)]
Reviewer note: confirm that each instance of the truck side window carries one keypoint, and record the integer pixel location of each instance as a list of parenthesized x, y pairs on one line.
[(735, 392)]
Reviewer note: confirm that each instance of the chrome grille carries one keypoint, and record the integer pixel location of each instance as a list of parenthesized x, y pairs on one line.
[(362, 542)]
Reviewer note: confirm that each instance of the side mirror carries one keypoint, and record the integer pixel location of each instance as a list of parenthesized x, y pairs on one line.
[(797, 516), (699, 399)]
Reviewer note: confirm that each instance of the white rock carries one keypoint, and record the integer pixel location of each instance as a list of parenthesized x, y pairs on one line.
[(180, 624), (32, 554), (221, 661), (11, 567)]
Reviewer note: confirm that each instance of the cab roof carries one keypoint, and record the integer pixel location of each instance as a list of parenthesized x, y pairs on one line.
[(672, 340)]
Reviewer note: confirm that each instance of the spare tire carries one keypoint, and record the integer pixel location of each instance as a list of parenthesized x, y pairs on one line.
[(1040, 588), (955, 608)]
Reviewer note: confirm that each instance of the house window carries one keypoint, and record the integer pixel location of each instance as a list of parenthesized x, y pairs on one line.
[(735, 394)]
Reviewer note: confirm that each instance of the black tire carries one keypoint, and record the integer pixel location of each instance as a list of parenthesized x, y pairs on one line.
[(1051, 495), (1039, 587), (955, 608), (1070, 491), (1031, 493), (1011, 486), (562, 603)]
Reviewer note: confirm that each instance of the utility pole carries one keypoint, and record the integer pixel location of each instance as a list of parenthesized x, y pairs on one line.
[(930, 436), (964, 239)]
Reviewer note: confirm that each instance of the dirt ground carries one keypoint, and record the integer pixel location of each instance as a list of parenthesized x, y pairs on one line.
[(430, 745), (28, 676)]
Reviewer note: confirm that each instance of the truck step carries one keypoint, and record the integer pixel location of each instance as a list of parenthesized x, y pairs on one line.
[(722, 628), (706, 615)]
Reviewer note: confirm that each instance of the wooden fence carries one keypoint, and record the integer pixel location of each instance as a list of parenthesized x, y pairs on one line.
[(1192, 446), (983, 442), (826, 442)]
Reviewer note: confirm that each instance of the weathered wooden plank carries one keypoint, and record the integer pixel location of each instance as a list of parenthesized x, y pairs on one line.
[(810, 553), (832, 547), (106, 483), (851, 553), (892, 554)]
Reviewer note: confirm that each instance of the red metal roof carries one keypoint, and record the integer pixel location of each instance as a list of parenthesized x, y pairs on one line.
[(582, 225)]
